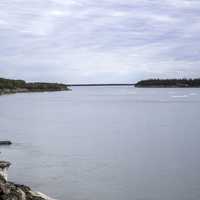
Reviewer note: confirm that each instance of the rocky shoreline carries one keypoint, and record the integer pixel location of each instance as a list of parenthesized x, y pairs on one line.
[(13, 191), (24, 90)]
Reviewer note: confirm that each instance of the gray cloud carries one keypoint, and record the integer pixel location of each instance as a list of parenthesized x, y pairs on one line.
[(99, 41)]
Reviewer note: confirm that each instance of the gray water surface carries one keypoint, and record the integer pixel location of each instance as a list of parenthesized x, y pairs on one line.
[(105, 143)]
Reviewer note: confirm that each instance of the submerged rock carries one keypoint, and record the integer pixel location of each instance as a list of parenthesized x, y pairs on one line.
[(6, 142)]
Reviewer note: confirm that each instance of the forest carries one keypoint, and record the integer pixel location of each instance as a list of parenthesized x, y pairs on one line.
[(169, 83), (10, 86)]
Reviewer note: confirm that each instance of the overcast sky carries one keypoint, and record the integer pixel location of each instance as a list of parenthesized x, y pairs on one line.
[(86, 41)]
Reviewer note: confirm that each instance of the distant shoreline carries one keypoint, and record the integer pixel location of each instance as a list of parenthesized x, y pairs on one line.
[(15, 91), (10, 86), (168, 83), (94, 85)]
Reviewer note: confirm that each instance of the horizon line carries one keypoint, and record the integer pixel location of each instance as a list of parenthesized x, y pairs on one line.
[(101, 84)]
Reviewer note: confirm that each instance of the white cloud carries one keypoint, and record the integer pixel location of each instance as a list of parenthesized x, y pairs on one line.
[(88, 40)]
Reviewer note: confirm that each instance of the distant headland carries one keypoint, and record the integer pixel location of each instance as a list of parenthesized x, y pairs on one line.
[(8, 86), (166, 83)]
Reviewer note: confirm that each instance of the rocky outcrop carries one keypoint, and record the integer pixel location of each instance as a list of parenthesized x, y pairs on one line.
[(4, 165), (12, 191)]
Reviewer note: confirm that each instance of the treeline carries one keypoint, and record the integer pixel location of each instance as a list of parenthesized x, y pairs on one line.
[(9, 85), (46, 86), (169, 83)]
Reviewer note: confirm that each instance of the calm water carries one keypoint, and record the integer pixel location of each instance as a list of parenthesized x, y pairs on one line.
[(105, 143)]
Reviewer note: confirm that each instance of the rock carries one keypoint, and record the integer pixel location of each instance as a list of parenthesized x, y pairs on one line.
[(4, 165), (12, 191), (7, 142), (40, 196)]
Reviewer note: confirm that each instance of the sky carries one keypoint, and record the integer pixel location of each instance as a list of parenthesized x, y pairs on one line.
[(99, 41)]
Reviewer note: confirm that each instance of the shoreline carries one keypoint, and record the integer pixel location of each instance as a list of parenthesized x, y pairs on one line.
[(10, 190), (16, 91), (163, 87), (169, 83), (11, 86)]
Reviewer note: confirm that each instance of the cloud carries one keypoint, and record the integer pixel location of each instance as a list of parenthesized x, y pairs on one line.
[(99, 41)]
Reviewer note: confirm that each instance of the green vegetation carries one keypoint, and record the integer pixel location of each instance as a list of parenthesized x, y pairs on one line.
[(184, 83), (12, 86), (46, 86)]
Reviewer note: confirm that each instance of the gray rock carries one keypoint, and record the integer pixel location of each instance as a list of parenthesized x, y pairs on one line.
[(12, 191)]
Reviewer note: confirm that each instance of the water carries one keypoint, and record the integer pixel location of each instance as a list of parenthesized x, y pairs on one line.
[(105, 143)]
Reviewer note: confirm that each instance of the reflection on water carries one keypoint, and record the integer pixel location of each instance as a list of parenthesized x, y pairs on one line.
[(109, 143)]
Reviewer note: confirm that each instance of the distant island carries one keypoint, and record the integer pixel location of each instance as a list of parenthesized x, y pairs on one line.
[(165, 83), (8, 86)]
